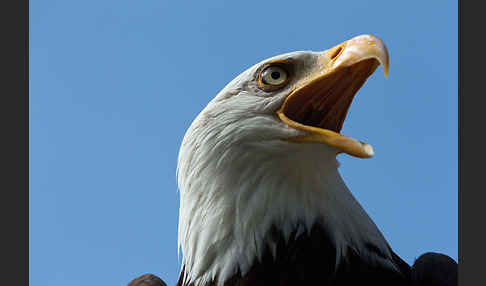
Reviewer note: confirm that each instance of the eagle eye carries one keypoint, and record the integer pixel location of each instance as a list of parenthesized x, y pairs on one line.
[(273, 77)]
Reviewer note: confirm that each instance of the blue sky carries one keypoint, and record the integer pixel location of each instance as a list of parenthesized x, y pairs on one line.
[(115, 84)]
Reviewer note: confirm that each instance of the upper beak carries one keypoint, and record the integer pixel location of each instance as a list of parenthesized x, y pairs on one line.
[(358, 49), (320, 101)]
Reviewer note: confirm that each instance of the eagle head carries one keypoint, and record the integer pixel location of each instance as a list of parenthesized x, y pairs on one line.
[(262, 153)]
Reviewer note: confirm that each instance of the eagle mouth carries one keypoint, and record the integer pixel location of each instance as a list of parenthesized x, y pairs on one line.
[(324, 103), (319, 102)]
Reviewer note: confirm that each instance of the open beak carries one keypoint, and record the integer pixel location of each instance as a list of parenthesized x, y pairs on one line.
[(319, 102)]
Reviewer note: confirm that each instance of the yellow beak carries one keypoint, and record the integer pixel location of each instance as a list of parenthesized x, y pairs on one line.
[(319, 102)]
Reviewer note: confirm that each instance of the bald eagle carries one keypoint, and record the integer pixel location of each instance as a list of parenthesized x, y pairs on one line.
[(261, 198)]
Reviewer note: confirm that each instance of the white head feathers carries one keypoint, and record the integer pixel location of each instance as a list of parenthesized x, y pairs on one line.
[(238, 175)]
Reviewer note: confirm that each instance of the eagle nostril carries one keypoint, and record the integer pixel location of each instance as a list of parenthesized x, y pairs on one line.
[(336, 53)]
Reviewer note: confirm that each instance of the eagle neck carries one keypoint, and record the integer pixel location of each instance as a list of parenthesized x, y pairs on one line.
[(228, 209)]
